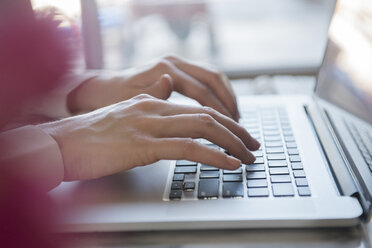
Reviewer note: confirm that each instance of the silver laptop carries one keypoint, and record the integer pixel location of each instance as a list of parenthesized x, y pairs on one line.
[(314, 167)]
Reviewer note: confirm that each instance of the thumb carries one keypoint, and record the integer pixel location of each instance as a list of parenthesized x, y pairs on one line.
[(162, 88)]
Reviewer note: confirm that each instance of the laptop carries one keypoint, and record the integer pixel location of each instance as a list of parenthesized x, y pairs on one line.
[(314, 167)]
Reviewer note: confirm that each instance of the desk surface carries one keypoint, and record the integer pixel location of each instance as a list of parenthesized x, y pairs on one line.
[(342, 238), (356, 237)]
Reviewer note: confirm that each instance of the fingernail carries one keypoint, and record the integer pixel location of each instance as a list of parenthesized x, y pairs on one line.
[(234, 162), (250, 158)]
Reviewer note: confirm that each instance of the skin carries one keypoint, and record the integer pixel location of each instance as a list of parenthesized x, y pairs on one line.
[(119, 132), (204, 83)]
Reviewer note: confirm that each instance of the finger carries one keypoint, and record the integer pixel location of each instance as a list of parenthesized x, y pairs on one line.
[(233, 126), (203, 126), (229, 86), (192, 88), (189, 149), (216, 81), (160, 89)]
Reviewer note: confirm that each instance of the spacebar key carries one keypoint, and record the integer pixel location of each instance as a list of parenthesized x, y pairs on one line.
[(208, 188)]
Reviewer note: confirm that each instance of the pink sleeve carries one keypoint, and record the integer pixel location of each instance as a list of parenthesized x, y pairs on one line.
[(32, 155)]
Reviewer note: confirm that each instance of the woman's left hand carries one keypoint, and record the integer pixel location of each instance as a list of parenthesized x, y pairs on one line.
[(204, 83)]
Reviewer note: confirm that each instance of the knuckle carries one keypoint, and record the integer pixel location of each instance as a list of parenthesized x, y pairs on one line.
[(146, 104), (217, 75), (163, 65), (206, 119), (209, 110), (189, 147)]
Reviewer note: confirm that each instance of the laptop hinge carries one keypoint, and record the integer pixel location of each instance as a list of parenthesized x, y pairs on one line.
[(362, 195), (335, 159)]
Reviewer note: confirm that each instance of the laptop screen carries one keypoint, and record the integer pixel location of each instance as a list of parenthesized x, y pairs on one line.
[(345, 77)]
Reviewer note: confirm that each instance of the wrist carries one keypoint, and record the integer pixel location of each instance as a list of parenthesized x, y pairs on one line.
[(78, 100), (96, 92)]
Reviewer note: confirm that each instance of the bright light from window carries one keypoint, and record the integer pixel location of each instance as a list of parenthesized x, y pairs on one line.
[(69, 7)]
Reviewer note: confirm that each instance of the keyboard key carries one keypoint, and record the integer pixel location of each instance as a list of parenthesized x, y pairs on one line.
[(255, 167), (287, 133), (252, 125), (282, 189), (258, 192), (205, 167), (304, 191), (232, 189), (253, 131), (189, 186), (178, 177), (292, 151), (185, 163), (273, 144), (297, 166), (256, 136), (300, 182), (286, 128), (259, 160), (208, 188), (256, 175), (280, 179), (291, 145), (237, 171), (185, 170), (257, 183), (273, 128), (209, 174), (271, 133), (233, 178), (289, 138), (295, 158), (278, 163), (274, 150), (176, 185), (272, 138), (279, 171), (278, 156), (257, 153), (175, 194), (270, 118), (284, 121), (299, 173)]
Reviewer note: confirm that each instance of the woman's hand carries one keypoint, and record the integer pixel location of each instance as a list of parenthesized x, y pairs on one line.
[(143, 130), (207, 85)]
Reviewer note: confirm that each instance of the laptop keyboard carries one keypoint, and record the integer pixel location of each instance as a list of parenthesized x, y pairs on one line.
[(277, 172), (363, 140)]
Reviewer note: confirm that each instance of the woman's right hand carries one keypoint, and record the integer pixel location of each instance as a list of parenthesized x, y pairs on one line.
[(143, 130)]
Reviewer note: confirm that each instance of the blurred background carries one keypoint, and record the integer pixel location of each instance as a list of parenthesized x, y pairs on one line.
[(243, 37)]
